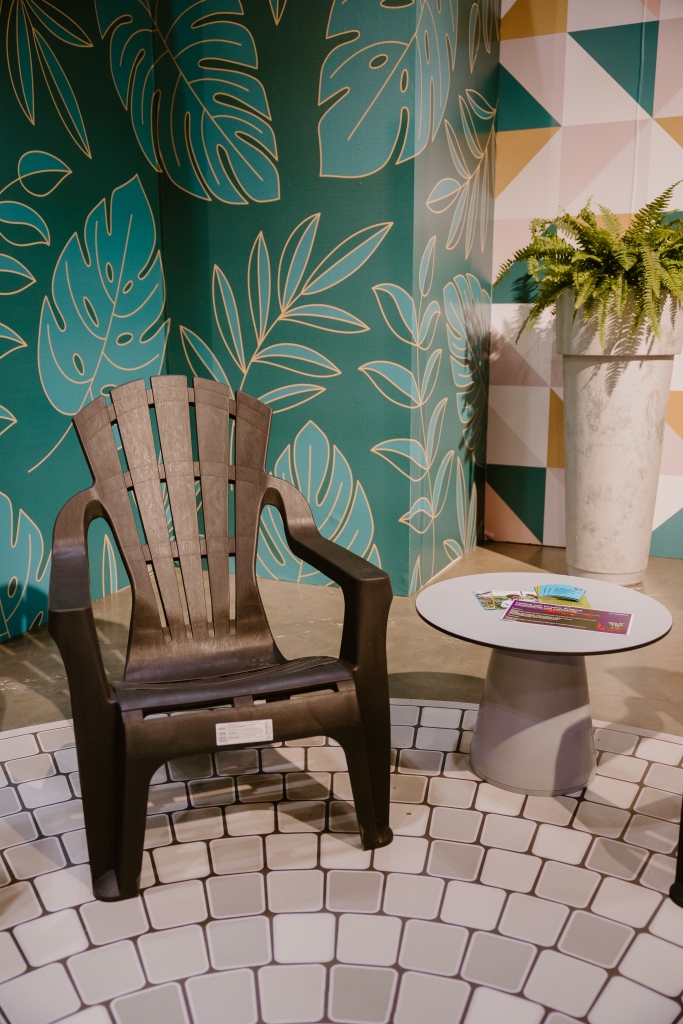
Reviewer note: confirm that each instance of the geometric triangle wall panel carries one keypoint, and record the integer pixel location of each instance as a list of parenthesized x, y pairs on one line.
[(534, 18), (522, 488), (502, 525), (628, 53), (517, 108)]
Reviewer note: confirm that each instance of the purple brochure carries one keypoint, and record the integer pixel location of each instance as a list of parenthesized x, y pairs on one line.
[(574, 618)]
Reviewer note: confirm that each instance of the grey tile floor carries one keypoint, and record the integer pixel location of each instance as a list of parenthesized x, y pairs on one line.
[(258, 904)]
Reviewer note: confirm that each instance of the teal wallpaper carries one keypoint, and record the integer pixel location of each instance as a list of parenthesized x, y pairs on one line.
[(291, 197)]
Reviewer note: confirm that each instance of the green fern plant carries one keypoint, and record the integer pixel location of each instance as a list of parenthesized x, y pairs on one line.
[(606, 266)]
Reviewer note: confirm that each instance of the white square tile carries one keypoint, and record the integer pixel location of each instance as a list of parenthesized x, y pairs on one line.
[(413, 896), (9, 802), (106, 972), (615, 742), (12, 962), (176, 953), (51, 937), (553, 810), (56, 819), (455, 860), (17, 746), (659, 804), (507, 833), (451, 792), (402, 736), (67, 888), (237, 762), (18, 903), (488, 1006), (303, 938), (326, 759), (75, 780), (457, 766), (35, 858), (465, 744), (420, 762), (164, 1002), (199, 823), (231, 856), (259, 788), (212, 792), (295, 891), (404, 714), (361, 993), (239, 942), (44, 791), (365, 939), (533, 920), (235, 990), (498, 962), (431, 947), (563, 983), (299, 850), (236, 895), (437, 739), (660, 751), (668, 923), (250, 819), (469, 719), (292, 992), (197, 766), (39, 997), (180, 863), (344, 851), (26, 769), (652, 833), (283, 759), (472, 905), (147, 876), (561, 844), (341, 785), (157, 831), (170, 796), (408, 819), (623, 1001), (67, 760), (595, 939), (659, 873), (407, 789), (109, 922), (564, 883), (311, 785), (460, 826), (301, 816), (618, 766), (498, 801), (509, 870), (600, 820), (428, 998), (76, 846), (655, 963), (56, 739), (405, 853), (618, 859), (625, 902), (176, 904), (613, 792), (159, 776), (663, 776), (93, 1015), (441, 718)]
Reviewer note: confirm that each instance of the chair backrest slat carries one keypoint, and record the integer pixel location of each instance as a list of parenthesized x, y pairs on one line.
[(173, 422), (212, 414), (132, 415)]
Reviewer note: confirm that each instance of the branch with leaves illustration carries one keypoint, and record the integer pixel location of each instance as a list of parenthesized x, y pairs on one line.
[(294, 288)]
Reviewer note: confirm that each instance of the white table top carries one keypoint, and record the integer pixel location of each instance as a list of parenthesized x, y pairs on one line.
[(452, 607)]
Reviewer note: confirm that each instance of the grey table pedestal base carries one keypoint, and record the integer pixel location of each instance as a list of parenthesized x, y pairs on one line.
[(533, 732)]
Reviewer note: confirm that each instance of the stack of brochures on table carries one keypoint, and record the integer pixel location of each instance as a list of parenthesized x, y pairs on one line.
[(548, 593), (553, 604)]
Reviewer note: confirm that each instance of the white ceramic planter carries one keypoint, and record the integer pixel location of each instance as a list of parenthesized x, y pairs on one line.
[(615, 403)]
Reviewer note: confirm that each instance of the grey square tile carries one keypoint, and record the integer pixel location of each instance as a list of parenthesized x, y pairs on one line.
[(59, 818), (180, 863), (452, 823), (663, 776), (424, 998), (212, 792), (437, 739), (170, 796), (51, 937), (405, 853), (236, 895), (9, 802), (659, 804), (296, 850), (498, 962), (18, 903), (250, 819), (344, 851), (654, 963), (457, 766), (295, 891), (109, 971), (35, 858), (553, 810), (420, 762), (160, 775), (232, 856), (239, 943), (660, 836), (368, 939), (258, 788), (616, 742), (308, 785), (431, 947), (237, 762), (472, 905), (563, 983), (17, 746), (451, 792), (16, 829), (361, 993), (341, 786), (498, 801), (39, 996), (533, 919), (402, 736), (616, 859), (404, 714), (507, 833), (12, 962), (595, 939), (510, 870), (562, 844), (600, 820), (56, 739), (292, 992), (26, 769), (618, 766), (209, 996), (67, 888), (455, 860), (659, 873), (441, 718), (283, 759), (354, 891), (326, 759), (172, 905), (200, 823), (164, 1003), (67, 760), (413, 896), (565, 883), (199, 766), (301, 816), (342, 816), (157, 831), (409, 789), (172, 954), (623, 999), (109, 922), (75, 780), (623, 901)]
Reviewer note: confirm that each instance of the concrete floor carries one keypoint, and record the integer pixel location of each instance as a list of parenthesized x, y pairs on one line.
[(641, 688)]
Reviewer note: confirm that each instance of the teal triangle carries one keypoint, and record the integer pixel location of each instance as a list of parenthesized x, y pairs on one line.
[(517, 108), (523, 489), (667, 539), (629, 54)]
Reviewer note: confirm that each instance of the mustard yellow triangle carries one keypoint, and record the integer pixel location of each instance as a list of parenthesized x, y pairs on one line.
[(556, 432), (674, 413), (515, 149), (534, 18), (673, 126)]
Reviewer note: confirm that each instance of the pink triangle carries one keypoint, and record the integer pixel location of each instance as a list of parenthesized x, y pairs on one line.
[(502, 524), (508, 365), (505, 447), (586, 151), (672, 453)]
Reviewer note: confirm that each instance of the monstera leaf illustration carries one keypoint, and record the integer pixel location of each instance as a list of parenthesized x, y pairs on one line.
[(196, 114), (399, 59), (23, 584), (341, 511), (108, 293), (468, 315)]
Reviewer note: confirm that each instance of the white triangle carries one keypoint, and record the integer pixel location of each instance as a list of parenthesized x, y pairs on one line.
[(623, 184), (591, 96), (534, 192), (585, 14), (666, 166), (674, 108), (669, 499), (537, 63)]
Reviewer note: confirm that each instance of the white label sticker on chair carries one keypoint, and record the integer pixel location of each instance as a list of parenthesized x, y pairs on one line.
[(259, 730)]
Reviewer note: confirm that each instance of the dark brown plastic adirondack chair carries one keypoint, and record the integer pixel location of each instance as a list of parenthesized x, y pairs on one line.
[(189, 650)]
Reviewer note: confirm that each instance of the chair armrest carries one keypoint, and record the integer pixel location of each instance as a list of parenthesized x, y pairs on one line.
[(367, 589)]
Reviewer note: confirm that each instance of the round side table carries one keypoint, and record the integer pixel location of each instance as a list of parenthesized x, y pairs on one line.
[(533, 732)]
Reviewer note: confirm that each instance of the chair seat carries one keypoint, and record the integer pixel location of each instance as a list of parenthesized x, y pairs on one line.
[(284, 678)]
